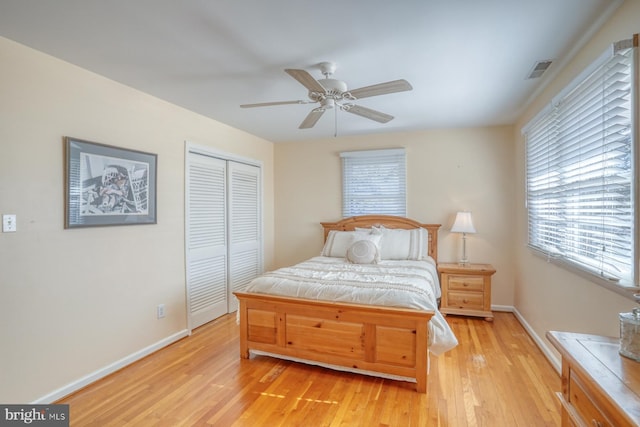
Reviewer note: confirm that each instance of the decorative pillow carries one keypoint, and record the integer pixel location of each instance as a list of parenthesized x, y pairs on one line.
[(363, 252), (400, 244)]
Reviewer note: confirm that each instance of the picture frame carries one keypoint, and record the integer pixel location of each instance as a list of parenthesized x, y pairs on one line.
[(107, 185)]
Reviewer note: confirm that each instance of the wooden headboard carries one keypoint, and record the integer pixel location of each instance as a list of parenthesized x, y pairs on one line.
[(389, 221)]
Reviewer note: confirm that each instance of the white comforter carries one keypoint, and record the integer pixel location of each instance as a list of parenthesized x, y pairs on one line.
[(407, 284)]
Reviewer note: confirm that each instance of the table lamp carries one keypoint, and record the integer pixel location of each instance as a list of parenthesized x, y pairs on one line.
[(463, 224)]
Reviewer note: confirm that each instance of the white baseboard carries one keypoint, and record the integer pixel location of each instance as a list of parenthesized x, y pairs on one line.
[(541, 343), (109, 369)]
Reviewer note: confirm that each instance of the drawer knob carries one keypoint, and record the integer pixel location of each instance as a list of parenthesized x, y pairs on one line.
[(596, 423)]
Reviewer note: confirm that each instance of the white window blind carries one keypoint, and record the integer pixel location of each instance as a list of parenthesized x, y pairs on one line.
[(374, 182), (580, 171)]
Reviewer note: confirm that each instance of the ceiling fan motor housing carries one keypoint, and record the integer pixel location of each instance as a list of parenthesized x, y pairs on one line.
[(333, 89)]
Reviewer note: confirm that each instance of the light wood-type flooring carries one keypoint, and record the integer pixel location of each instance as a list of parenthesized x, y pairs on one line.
[(495, 377)]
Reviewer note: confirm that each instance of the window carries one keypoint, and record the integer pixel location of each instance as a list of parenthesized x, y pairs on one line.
[(580, 171), (373, 182)]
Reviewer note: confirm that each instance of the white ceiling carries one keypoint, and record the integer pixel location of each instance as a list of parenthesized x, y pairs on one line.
[(467, 60)]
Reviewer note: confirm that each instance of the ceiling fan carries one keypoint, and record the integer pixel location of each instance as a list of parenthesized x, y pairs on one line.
[(331, 93)]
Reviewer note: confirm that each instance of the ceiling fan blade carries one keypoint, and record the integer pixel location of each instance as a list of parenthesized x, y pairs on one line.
[(368, 113), (381, 89), (312, 118), (268, 104), (306, 80)]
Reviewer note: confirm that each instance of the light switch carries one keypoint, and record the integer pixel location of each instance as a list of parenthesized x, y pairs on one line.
[(8, 223)]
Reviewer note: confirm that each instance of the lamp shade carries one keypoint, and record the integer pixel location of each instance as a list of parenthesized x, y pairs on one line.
[(463, 223)]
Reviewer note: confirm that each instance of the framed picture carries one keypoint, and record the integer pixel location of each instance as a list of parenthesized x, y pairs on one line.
[(106, 185)]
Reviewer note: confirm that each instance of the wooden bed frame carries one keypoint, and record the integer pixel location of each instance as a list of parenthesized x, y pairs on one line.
[(378, 339)]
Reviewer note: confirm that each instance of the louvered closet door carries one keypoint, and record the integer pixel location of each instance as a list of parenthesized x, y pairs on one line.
[(245, 247), (206, 239)]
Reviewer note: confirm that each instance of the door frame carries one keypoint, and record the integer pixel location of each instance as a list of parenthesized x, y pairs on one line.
[(192, 147)]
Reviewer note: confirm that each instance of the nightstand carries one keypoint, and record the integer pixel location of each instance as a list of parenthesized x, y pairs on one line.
[(466, 289)]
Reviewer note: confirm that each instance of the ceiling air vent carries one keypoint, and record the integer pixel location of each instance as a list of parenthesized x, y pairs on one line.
[(539, 68)]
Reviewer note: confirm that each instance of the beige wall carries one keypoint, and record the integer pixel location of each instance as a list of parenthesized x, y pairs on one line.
[(447, 170), (75, 301), (550, 297)]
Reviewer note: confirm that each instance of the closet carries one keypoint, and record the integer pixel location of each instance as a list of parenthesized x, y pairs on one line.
[(223, 233)]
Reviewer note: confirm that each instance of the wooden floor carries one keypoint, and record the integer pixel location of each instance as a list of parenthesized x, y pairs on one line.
[(495, 377)]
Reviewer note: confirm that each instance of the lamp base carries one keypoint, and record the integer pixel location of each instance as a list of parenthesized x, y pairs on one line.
[(464, 260)]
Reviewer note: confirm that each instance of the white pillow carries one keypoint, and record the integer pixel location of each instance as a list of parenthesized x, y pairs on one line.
[(400, 244), (338, 242), (373, 230), (363, 252)]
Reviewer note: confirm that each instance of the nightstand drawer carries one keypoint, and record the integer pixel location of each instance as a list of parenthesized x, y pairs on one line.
[(466, 283), (468, 300)]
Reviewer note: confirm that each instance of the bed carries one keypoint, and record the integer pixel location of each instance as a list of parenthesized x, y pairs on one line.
[(323, 311)]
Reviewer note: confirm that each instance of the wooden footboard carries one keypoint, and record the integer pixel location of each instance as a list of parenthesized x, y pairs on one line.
[(373, 338)]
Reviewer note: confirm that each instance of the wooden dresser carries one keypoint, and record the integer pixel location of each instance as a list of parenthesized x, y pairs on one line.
[(600, 387)]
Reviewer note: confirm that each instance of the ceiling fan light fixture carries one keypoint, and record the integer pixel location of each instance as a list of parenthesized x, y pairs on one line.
[(328, 103)]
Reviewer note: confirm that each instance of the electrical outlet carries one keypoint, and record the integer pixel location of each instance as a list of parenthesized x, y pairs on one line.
[(161, 312), (8, 223)]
